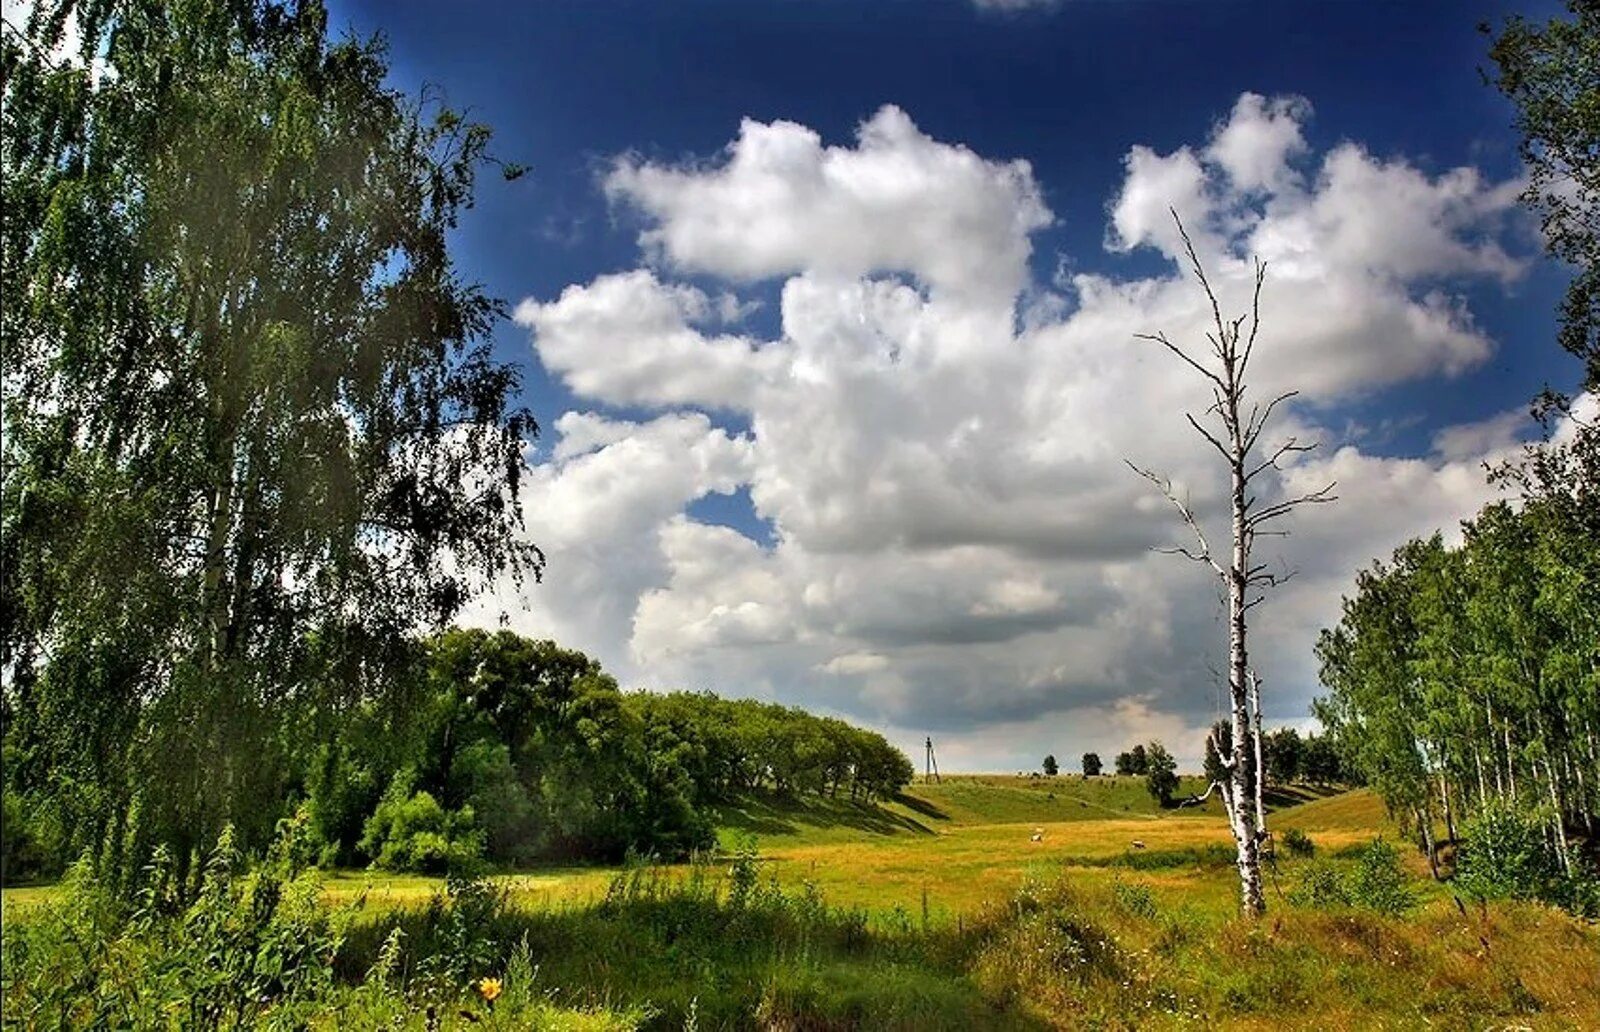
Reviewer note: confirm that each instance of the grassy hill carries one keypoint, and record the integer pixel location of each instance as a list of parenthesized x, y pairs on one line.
[(971, 800), (1357, 810)]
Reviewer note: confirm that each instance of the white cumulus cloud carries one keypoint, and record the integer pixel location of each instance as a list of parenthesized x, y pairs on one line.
[(955, 542)]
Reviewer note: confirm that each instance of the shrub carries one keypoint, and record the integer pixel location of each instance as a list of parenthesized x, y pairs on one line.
[(1378, 882), (1298, 843), (1134, 897), (244, 945), (1505, 854), (412, 832), (1321, 887)]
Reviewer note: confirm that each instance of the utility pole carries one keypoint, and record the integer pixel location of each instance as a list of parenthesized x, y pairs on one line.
[(930, 766)]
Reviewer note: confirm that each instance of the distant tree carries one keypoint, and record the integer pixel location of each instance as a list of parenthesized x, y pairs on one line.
[(1124, 763), (1091, 764), (1139, 761), (1219, 743), (1161, 773), (1320, 761), (1050, 767), (1283, 751)]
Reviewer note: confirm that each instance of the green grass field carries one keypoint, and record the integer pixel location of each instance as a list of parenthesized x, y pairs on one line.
[(1004, 902), (952, 845)]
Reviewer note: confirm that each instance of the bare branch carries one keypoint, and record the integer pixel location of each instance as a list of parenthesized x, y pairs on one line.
[(1197, 800), (1161, 338), (1165, 486), (1200, 274), (1283, 508), (1255, 316), (1290, 447), (1203, 432), (1257, 423)]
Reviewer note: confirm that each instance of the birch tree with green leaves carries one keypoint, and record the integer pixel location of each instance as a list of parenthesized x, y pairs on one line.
[(1465, 678), (254, 437)]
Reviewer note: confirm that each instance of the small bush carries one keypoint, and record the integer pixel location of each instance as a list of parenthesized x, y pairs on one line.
[(414, 833), (1134, 897), (1378, 882), (1321, 887), (1505, 854), (1298, 843)]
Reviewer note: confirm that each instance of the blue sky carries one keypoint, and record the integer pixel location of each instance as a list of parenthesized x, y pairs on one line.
[(940, 601)]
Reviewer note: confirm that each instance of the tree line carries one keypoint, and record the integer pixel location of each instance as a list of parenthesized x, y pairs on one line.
[(508, 750), (1465, 678)]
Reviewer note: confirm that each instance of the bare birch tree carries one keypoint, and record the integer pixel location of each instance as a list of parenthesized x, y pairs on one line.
[(1234, 427)]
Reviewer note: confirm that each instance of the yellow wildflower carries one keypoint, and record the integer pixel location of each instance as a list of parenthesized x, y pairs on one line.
[(489, 988)]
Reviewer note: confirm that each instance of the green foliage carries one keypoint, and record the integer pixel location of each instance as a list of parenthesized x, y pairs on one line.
[(253, 431), (412, 832), (1298, 844), (552, 761), (1551, 73), (1375, 881), (1091, 765), (1457, 675), (244, 946), (1319, 762), (1049, 766), (496, 795), (1134, 761), (259, 949), (1378, 881), (1134, 897), (1322, 886), (1506, 853), (1214, 857), (24, 854), (1283, 752), (1161, 773)]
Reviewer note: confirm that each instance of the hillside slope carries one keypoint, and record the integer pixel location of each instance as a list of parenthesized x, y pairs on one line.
[(969, 800)]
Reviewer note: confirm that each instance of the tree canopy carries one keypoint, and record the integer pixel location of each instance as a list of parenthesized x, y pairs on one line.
[(1461, 677), (1551, 73), (253, 435)]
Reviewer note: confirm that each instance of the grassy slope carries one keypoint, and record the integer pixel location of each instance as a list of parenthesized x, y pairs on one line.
[(956, 801), (951, 846), (970, 800), (1358, 810)]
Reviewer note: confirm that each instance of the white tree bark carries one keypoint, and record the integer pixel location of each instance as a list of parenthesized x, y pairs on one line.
[(1234, 434)]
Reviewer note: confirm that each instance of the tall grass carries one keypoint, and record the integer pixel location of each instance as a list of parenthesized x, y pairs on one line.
[(720, 944)]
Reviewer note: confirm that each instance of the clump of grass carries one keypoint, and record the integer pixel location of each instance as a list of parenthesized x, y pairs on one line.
[(1134, 898), (1298, 844), (1212, 856)]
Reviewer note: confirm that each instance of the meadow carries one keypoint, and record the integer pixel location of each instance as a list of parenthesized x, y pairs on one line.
[(978, 902)]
